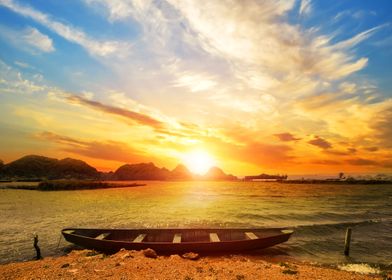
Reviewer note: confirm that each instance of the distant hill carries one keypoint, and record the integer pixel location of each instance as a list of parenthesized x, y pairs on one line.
[(33, 166), (141, 171), (217, 174), (148, 171), (74, 168), (181, 173), (40, 167)]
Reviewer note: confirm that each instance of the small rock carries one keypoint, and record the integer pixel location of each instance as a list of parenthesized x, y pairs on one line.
[(126, 256), (65, 265), (91, 253), (175, 257), (73, 270), (191, 256), (150, 253)]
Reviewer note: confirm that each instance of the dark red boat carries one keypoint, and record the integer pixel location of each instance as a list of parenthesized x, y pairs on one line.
[(177, 240)]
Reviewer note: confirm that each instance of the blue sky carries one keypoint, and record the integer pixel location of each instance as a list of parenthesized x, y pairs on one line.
[(99, 71)]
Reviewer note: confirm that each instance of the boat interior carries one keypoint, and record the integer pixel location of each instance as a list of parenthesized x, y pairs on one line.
[(177, 235)]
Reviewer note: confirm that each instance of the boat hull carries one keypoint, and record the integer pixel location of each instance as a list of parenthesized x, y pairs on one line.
[(87, 238)]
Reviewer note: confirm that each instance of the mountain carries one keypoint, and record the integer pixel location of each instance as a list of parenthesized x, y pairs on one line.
[(40, 167), (33, 166), (148, 171), (217, 174), (141, 171), (181, 173), (74, 168)]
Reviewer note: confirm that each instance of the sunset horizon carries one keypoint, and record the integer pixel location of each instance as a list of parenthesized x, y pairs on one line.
[(185, 139), (292, 87)]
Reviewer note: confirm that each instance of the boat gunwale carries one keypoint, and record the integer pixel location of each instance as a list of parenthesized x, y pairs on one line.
[(174, 229)]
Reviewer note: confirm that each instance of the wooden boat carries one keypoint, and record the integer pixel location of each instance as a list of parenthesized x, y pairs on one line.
[(177, 240)]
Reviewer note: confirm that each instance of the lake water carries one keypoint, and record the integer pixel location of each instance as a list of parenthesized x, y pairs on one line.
[(319, 214)]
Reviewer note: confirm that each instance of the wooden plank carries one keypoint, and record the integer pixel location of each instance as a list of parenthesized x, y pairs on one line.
[(214, 237), (139, 238), (177, 238), (103, 235), (69, 231), (250, 235)]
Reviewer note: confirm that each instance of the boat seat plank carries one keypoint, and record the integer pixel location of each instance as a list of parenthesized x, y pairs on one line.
[(177, 238), (69, 231), (250, 235), (102, 235), (214, 237), (139, 238)]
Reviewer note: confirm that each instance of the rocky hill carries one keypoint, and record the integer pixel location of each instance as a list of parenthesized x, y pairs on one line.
[(74, 168), (148, 171), (216, 174), (40, 167), (181, 173), (141, 171)]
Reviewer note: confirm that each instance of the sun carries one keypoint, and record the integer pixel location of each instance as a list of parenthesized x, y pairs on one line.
[(198, 161)]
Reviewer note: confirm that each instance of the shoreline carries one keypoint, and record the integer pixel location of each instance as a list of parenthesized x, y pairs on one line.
[(87, 264), (67, 185)]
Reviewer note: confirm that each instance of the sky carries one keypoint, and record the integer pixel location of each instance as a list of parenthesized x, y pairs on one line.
[(271, 86)]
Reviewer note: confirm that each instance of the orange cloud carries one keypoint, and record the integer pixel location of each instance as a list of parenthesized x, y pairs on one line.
[(320, 142), (285, 137), (106, 150), (361, 161), (128, 114)]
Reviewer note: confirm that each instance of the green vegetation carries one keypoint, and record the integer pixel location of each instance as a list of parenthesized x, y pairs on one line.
[(57, 185)]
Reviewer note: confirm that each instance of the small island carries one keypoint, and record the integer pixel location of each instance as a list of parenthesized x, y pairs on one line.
[(35, 172)]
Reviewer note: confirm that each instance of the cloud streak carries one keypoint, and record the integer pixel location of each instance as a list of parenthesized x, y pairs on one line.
[(106, 150), (286, 137), (136, 117), (320, 142), (28, 39), (72, 34)]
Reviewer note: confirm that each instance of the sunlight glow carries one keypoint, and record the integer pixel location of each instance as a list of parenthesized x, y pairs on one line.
[(198, 161)]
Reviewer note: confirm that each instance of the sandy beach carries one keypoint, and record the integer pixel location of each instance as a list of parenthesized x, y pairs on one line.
[(86, 264)]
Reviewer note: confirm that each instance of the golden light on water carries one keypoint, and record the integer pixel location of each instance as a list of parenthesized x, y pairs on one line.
[(198, 161)]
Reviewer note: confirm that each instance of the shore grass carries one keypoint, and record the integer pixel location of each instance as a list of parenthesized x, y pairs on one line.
[(61, 185)]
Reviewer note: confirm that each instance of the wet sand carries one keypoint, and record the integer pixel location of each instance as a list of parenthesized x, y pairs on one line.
[(86, 264)]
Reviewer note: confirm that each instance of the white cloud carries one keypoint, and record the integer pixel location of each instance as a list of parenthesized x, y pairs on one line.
[(72, 34), (29, 39), (14, 82), (195, 82), (305, 7), (22, 64), (116, 9), (33, 37), (353, 41)]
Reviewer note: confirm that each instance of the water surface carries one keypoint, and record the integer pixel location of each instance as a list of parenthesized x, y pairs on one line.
[(319, 213)]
